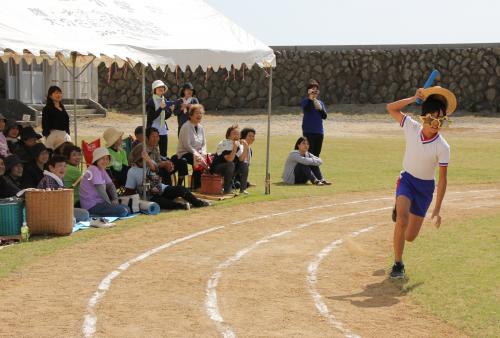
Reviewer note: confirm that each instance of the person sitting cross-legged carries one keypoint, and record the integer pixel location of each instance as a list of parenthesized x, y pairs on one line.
[(97, 191), (158, 192), (54, 179)]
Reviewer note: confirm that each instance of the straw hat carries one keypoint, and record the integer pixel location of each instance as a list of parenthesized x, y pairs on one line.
[(444, 95), (111, 135), (56, 138), (158, 83), (99, 153)]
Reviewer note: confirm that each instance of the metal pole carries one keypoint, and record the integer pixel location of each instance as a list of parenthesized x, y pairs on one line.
[(145, 186), (268, 175), (73, 59)]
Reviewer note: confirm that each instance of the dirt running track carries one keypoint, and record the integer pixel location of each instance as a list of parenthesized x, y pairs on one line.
[(286, 273)]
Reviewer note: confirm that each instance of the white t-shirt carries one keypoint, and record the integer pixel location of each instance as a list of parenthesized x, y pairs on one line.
[(422, 156)]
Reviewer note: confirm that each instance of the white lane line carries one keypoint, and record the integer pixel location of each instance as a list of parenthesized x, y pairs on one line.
[(312, 280), (211, 303), (90, 318)]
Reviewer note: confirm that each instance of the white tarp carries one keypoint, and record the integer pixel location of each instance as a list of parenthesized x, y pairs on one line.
[(159, 33)]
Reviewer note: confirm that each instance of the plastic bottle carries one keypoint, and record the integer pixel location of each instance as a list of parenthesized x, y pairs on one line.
[(25, 233)]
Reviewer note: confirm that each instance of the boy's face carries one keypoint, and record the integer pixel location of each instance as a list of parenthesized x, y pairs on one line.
[(154, 139), (59, 169), (432, 122)]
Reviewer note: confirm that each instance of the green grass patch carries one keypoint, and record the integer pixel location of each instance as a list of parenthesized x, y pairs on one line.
[(353, 164), (458, 269)]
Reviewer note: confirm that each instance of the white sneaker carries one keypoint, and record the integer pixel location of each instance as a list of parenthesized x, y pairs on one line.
[(244, 192)]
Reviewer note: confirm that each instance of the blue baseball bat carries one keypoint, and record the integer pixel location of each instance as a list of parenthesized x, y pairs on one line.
[(429, 81)]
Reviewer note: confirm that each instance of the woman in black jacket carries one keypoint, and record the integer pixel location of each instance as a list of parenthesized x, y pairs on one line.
[(33, 171), (54, 116)]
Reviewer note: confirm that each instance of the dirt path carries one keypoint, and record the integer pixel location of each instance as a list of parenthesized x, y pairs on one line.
[(261, 268)]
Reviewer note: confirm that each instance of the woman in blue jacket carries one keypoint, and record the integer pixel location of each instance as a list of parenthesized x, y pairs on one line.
[(314, 113)]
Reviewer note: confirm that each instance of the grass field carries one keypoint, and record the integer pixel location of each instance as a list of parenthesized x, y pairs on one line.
[(457, 269), (368, 164)]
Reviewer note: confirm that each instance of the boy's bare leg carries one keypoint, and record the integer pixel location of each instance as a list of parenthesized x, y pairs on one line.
[(402, 220), (413, 227)]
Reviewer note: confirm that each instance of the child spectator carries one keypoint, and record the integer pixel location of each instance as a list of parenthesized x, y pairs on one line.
[(223, 163)]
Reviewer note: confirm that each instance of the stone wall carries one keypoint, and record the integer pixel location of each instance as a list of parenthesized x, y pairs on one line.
[(360, 75)]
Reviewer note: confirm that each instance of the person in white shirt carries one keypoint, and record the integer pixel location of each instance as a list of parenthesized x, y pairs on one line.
[(425, 150)]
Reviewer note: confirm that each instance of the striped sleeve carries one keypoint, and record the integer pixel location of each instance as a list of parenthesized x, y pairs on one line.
[(444, 154), (403, 120)]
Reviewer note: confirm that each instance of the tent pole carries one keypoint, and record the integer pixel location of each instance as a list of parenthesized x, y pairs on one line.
[(268, 175), (145, 186), (73, 59)]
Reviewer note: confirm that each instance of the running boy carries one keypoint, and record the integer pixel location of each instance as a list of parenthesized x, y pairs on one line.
[(425, 150)]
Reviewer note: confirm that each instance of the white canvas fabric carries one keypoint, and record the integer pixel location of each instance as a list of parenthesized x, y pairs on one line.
[(167, 33)]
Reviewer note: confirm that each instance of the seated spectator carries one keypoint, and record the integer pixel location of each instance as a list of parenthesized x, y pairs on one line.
[(118, 166), (53, 179), (164, 166), (247, 137), (24, 148), (97, 191), (11, 180), (158, 192), (33, 170), (73, 156), (192, 142), (223, 163), (4, 147), (12, 132), (139, 136), (302, 166), (183, 104)]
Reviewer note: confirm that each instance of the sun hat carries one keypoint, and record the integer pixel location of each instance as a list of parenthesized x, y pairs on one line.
[(56, 138), (158, 83), (28, 133), (111, 135), (11, 161), (99, 153), (444, 95)]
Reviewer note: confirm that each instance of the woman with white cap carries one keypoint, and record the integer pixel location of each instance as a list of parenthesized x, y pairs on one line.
[(118, 165), (97, 191), (159, 110)]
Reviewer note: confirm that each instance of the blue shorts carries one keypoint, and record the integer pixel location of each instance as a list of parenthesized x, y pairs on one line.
[(418, 191)]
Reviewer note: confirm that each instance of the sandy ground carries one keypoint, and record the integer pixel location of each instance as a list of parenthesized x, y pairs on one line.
[(348, 124), (263, 293)]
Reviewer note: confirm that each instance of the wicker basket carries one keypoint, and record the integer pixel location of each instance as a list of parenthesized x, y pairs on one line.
[(211, 184), (11, 216), (49, 211)]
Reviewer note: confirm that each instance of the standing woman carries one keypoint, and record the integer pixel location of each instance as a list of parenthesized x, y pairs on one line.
[(55, 119), (159, 110), (314, 113), (183, 105)]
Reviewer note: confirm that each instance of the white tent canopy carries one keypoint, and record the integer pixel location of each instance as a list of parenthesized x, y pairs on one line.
[(167, 33)]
